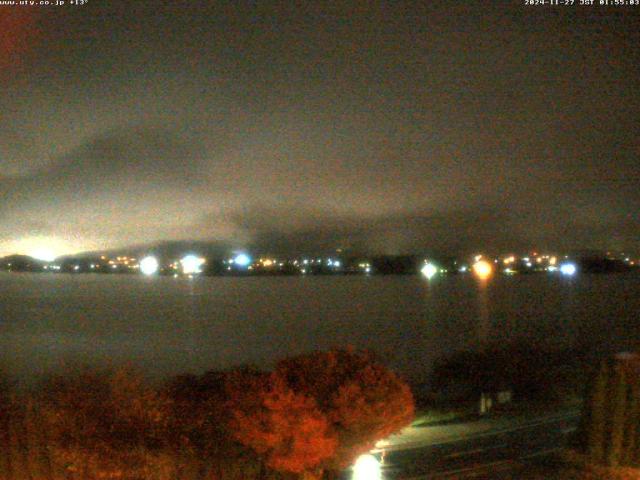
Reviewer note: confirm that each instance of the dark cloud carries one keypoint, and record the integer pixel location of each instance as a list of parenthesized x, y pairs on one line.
[(18, 34), (379, 126), (298, 229)]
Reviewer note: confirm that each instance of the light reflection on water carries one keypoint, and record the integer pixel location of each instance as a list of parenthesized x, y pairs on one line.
[(168, 325)]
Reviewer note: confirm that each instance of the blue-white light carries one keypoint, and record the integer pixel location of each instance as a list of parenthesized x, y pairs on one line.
[(242, 260), (568, 269)]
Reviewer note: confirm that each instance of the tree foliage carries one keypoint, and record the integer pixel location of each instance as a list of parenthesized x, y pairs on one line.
[(611, 417), (102, 423), (364, 401), (313, 413), (287, 428)]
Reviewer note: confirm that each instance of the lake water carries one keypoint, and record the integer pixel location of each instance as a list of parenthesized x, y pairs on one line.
[(167, 325)]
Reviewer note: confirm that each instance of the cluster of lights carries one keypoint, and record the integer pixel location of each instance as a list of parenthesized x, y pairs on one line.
[(482, 266), (509, 260), (244, 261), (366, 267), (192, 265)]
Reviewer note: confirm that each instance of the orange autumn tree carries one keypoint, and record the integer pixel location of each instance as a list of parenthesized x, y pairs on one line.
[(364, 401), (284, 427)]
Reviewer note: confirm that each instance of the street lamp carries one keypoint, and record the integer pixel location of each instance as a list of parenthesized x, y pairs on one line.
[(367, 467), (149, 265)]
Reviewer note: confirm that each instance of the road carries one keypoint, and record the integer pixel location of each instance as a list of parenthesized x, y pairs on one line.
[(503, 447)]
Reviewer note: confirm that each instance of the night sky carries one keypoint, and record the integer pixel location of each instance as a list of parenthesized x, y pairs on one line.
[(382, 127)]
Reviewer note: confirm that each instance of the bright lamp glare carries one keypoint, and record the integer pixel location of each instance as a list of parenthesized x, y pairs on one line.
[(482, 269), (242, 259), (568, 269), (44, 254), (367, 467), (429, 270), (192, 264), (149, 265)]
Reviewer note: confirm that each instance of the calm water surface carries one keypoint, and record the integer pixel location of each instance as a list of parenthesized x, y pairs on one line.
[(168, 325)]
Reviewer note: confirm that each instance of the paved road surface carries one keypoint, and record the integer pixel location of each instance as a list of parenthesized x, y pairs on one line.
[(482, 452)]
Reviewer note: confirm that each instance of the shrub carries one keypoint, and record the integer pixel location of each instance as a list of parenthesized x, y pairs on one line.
[(103, 424)]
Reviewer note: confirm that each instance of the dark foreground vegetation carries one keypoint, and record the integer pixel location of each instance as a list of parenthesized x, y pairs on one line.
[(551, 375), (610, 429), (308, 418), (607, 443)]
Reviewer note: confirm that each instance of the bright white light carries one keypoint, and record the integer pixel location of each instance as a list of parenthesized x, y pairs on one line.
[(367, 269), (552, 268), (429, 270), (43, 253), (568, 269), (463, 269), (43, 248), (367, 467), (191, 264), (243, 260), (149, 265), (336, 263)]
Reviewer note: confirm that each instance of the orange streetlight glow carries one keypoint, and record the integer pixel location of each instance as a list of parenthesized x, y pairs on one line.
[(482, 269)]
